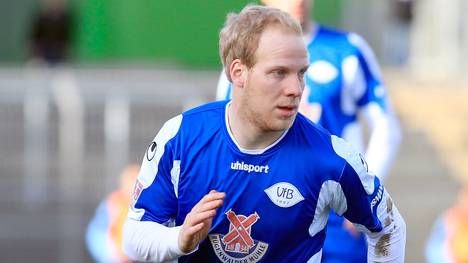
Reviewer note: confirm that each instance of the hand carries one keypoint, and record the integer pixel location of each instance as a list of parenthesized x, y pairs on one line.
[(198, 222)]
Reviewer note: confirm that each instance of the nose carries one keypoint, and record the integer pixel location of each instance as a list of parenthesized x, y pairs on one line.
[(295, 86)]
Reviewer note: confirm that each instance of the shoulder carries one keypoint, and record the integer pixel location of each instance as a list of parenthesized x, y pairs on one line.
[(192, 122), (318, 148), (346, 40), (209, 110), (329, 144), (305, 126), (317, 138), (202, 122), (332, 36)]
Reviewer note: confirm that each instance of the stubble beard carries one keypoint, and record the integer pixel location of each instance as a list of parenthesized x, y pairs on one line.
[(266, 122)]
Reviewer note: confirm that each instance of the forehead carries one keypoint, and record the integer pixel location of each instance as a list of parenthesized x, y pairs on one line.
[(281, 46), (285, 3)]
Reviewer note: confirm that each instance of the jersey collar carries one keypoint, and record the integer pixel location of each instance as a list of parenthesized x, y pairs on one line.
[(243, 150)]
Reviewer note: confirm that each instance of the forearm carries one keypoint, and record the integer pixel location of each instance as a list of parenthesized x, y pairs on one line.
[(384, 141), (150, 241), (387, 245)]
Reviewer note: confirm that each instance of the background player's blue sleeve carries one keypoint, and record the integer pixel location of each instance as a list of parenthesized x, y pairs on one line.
[(374, 104), (96, 234), (373, 88)]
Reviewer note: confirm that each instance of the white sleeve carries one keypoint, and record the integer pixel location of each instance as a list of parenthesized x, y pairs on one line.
[(387, 245), (150, 241), (222, 91), (384, 138)]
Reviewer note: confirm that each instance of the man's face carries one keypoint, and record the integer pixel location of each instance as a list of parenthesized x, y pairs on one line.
[(298, 9), (274, 84)]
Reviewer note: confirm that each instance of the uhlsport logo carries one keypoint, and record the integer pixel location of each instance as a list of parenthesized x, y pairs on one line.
[(151, 151), (241, 166), (238, 245)]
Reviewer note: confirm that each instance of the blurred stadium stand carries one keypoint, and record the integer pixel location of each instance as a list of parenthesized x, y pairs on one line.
[(65, 136)]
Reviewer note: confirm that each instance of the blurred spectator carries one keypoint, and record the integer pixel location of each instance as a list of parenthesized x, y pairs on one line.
[(403, 10), (51, 33), (104, 233), (448, 241), (397, 38)]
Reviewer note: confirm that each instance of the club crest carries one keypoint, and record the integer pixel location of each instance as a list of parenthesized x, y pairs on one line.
[(284, 194), (238, 245)]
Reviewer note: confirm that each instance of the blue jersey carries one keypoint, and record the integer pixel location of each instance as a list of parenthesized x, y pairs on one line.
[(342, 78), (277, 199)]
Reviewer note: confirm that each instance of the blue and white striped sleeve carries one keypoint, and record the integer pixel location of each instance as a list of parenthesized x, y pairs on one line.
[(373, 101), (149, 233), (367, 204)]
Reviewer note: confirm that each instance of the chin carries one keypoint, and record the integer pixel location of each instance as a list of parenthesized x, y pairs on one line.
[(282, 125)]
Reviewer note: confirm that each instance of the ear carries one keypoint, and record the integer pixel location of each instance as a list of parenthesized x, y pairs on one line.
[(237, 72)]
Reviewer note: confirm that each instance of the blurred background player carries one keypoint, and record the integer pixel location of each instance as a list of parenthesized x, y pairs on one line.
[(343, 88), (51, 33), (448, 241), (104, 233)]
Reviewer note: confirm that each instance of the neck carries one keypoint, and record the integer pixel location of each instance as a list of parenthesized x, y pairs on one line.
[(246, 132)]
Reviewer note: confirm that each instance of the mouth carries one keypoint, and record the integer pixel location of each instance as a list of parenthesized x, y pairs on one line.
[(287, 110)]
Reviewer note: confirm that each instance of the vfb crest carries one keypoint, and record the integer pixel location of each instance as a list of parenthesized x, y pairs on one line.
[(238, 245)]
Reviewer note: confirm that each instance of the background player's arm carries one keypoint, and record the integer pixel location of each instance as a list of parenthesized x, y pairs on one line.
[(384, 138), (376, 110), (366, 203), (224, 88)]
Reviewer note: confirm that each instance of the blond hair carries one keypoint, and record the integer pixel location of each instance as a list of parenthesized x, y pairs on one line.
[(241, 33)]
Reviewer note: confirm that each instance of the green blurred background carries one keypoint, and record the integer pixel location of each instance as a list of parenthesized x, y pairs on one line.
[(146, 31)]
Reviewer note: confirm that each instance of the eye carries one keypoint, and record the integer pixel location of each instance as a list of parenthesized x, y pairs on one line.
[(302, 73), (279, 73)]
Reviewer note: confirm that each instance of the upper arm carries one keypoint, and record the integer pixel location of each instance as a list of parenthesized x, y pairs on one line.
[(155, 194), (224, 89), (362, 190), (370, 88)]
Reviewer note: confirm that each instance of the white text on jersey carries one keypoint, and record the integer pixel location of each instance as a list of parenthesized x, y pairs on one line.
[(241, 166)]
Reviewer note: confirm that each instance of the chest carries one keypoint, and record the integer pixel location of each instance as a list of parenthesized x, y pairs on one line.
[(268, 191)]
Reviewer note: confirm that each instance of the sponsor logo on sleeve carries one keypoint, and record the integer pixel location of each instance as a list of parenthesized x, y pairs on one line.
[(238, 245), (284, 194), (378, 197), (136, 192), (363, 162), (151, 152)]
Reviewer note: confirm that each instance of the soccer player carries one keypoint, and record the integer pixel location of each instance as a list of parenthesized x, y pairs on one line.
[(250, 180), (343, 92)]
